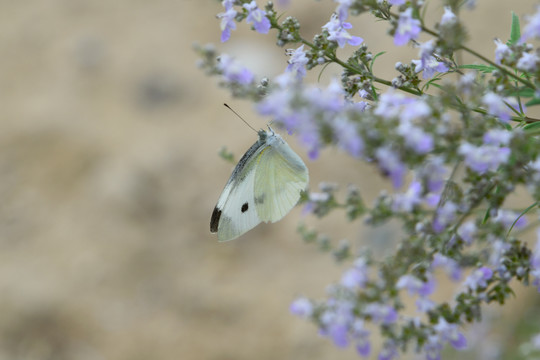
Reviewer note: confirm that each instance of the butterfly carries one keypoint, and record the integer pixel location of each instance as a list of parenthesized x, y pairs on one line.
[(264, 186)]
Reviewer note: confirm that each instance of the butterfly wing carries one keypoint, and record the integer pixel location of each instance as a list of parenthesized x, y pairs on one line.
[(280, 177), (235, 212)]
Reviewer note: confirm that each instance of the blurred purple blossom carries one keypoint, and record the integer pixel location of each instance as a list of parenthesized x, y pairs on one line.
[(528, 62), (357, 276), (408, 28), (347, 137), (532, 29), (502, 51), (257, 17), (450, 333), (405, 202), (444, 216), (390, 163), (498, 137), (508, 217), (233, 72), (482, 159), (448, 17), (478, 278), (450, 266), (381, 313), (499, 106), (343, 9), (467, 231), (301, 307)]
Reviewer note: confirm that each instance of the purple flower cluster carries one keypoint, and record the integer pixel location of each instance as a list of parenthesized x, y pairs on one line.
[(337, 31), (535, 262), (408, 28), (255, 16), (304, 110), (227, 19), (415, 286), (532, 29), (233, 72), (478, 278), (499, 106), (484, 158), (427, 62), (297, 62)]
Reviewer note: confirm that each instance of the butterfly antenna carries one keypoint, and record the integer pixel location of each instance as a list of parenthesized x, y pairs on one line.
[(241, 118)]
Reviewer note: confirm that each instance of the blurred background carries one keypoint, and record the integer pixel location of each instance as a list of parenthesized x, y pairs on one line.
[(109, 173)]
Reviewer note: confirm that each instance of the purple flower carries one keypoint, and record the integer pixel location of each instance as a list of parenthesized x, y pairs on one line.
[(337, 32), (528, 62), (448, 18), (433, 347), (535, 262), (507, 219), (233, 72), (478, 278), (347, 137), (415, 109), (381, 313), (532, 29), (449, 332), (391, 103), (415, 138), (467, 231), (433, 172), (428, 63), (390, 164), (444, 216), (357, 276), (361, 336), (407, 201), (450, 266), (301, 307), (499, 106), (389, 351), (227, 22), (423, 304), (335, 322), (257, 17), (408, 28), (416, 286), (396, 2), (297, 62), (498, 137), (501, 52), (343, 9), (482, 159)]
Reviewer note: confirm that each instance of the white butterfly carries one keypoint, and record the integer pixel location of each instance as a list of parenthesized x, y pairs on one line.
[(264, 186)]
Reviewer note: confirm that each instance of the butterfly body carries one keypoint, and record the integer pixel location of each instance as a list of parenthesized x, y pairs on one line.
[(264, 186)]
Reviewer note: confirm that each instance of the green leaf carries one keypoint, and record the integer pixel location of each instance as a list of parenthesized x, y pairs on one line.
[(532, 102), (483, 68), (532, 126), (373, 60), (515, 32), (523, 92)]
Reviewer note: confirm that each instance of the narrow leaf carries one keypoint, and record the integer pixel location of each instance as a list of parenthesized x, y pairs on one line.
[(515, 32), (532, 102), (483, 68)]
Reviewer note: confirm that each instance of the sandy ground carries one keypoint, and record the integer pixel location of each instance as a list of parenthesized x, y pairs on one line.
[(109, 173)]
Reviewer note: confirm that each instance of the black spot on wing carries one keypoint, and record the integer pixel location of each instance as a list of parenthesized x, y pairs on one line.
[(214, 221), (245, 207)]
